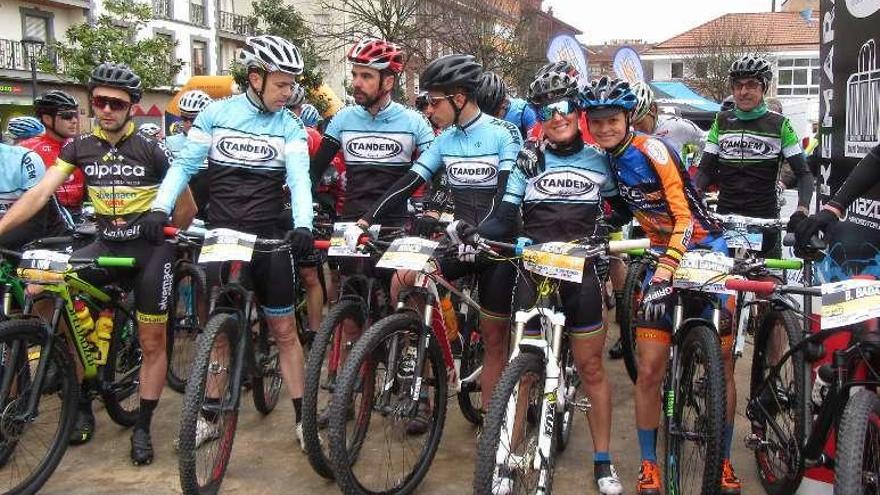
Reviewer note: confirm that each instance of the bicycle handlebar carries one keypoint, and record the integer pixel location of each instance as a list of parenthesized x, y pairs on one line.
[(750, 221), (767, 287), (321, 244)]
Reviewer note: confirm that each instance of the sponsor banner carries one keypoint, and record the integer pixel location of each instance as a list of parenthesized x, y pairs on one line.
[(559, 260), (566, 47), (628, 65), (227, 245), (705, 271), (408, 253), (472, 171), (240, 149), (372, 147), (849, 301)]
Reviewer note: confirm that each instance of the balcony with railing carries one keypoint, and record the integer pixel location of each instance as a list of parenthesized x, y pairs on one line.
[(197, 14), (241, 25), (162, 9), (16, 55)]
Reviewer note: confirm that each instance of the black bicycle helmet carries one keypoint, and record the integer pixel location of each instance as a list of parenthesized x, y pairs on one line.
[(490, 93), (53, 101), (551, 87), (117, 76), (750, 66), (452, 71), (563, 66)]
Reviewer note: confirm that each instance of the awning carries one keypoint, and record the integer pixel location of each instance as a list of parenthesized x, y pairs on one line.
[(682, 97)]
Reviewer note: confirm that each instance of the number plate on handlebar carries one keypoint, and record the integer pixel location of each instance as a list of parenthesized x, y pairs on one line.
[(227, 245), (740, 237), (704, 271), (338, 246), (408, 253), (559, 260), (849, 302), (42, 265)]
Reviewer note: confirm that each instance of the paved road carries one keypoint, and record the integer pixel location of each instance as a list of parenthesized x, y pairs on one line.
[(264, 460)]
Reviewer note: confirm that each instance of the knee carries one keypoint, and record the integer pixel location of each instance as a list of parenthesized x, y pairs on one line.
[(650, 374), (152, 342), (591, 370), (495, 341), (309, 277), (285, 336)]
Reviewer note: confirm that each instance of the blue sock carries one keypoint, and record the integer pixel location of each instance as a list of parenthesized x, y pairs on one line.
[(728, 439), (648, 444), (602, 458)]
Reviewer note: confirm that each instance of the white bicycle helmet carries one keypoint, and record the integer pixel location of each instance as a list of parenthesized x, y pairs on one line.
[(192, 102), (149, 129), (271, 54), (645, 100)]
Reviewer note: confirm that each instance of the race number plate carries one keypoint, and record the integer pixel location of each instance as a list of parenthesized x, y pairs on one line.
[(227, 245), (559, 260), (408, 253), (705, 271), (338, 246), (41, 265), (849, 302), (742, 238)]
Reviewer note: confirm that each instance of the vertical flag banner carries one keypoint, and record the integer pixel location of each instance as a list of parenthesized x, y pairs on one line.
[(565, 47), (628, 65)]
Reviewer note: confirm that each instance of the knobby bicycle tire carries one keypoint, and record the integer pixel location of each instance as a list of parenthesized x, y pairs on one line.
[(318, 454), (223, 325), (858, 444), (699, 346), (120, 376), (786, 399), (182, 332), (629, 305), (266, 380), (565, 417), (344, 454), (59, 381), (519, 367)]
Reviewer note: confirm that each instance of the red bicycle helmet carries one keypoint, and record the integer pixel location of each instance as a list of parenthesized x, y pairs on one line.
[(377, 54)]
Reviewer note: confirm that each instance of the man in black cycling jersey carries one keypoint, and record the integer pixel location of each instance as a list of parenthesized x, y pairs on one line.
[(123, 169), (743, 151)]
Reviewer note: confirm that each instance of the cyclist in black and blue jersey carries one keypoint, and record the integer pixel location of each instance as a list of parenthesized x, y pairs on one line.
[(478, 152), (560, 183), (254, 146)]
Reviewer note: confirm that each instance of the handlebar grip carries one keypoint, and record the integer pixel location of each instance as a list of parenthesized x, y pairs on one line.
[(620, 246), (791, 264), (170, 231), (756, 286), (322, 244), (114, 261)]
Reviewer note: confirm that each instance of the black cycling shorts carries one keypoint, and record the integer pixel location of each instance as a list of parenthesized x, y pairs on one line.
[(151, 279), (494, 281), (581, 303), (270, 274)]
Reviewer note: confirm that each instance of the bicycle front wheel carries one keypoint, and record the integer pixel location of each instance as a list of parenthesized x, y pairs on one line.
[(778, 407), (630, 302), (400, 434), (508, 446), (695, 431), (210, 411), (858, 446), (267, 381), (120, 377), (184, 323), (32, 443)]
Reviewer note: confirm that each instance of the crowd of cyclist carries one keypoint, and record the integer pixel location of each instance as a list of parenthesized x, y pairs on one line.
[(565, 163)]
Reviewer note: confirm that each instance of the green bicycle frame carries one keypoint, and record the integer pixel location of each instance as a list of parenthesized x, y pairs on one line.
[(14, 288)]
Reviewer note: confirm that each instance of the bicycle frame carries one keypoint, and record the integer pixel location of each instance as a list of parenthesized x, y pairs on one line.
[(13, 288)]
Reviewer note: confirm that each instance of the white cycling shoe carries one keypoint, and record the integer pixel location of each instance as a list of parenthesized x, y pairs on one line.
[(607, 480)]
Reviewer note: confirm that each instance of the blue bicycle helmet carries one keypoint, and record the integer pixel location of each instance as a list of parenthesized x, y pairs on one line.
[(309, 115), (606, 97), (24, 127)]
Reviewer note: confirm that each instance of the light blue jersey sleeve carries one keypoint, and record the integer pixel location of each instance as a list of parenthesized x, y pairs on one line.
[(33, 169), (430, 161), (424, 134), (516, 187), (334, 128), (509, 148), (187, 161), (296, 163), (529, 118)]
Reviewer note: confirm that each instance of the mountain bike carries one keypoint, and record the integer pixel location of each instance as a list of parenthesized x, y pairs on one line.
[(234, 346), (531, 410), (38, 380), (400, 371), (187, 313)]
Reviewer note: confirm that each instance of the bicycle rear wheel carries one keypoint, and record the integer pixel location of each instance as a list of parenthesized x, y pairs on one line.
[(32, 445), (695, 431), (522, 387), (210, 414), (778, 407), (120, 377), (184, 324), (858, 446), (377, 380), (267, 381), (322, 371), (630, 302)]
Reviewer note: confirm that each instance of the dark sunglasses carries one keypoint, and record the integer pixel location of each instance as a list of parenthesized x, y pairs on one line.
[(433, 100), (67, 114), (116, 105), (564, 107)]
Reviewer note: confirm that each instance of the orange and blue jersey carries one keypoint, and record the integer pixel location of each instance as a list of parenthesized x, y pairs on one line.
[(661, 196)]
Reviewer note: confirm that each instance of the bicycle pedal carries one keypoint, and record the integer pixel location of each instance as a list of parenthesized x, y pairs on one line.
[(754, 442), (582, 405), (216, 368)]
